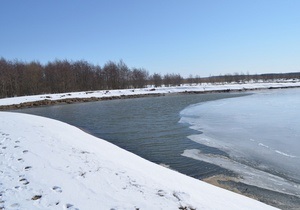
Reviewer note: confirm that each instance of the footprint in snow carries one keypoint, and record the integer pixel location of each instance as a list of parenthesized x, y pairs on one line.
[(15, 205), (24, 181), (57, 189), (36, 197), (161, 193), (27, 168), (70, 206), (25, 151)]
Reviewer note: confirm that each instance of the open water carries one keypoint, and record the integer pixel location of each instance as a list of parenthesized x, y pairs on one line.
[(148, 127)]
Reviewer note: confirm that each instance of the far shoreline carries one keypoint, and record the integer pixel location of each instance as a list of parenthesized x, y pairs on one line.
[(48, 102)]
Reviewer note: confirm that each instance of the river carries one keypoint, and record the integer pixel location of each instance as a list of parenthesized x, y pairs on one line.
[(251, 136)]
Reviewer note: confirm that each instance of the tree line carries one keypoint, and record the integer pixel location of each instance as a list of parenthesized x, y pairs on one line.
[(19, 78), (244, 78)]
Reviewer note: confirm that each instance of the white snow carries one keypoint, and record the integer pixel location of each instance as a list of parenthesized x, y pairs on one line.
[(47, 164), (159, 90)]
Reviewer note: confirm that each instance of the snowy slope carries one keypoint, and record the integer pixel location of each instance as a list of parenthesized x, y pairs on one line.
[(160, 90), (47, 164)]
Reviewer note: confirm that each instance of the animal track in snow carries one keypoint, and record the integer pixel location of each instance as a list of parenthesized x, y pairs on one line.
[(57, 189), (36, 197), (25, 151), (24, 181), (15, 205), (70, 206), (161, 193), (27, 168)]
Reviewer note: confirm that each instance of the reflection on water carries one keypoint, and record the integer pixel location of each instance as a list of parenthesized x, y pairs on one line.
[(147, 127)]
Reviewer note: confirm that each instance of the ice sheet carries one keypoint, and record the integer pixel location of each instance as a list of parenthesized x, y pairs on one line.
[(261, 130)]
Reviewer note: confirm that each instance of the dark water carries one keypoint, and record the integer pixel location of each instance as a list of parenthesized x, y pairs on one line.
[(147, 127)]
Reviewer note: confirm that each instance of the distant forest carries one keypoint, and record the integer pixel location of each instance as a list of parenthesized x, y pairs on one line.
[(19, 78)]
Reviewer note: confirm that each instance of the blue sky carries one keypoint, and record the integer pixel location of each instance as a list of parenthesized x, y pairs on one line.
[(204, 37)]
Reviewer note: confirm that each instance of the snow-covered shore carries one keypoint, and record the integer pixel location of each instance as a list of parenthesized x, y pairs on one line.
[(102, 94), (47, 164)]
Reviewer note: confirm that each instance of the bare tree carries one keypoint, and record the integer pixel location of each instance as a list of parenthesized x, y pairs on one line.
[(190, 79), (197, 79), (139, 78), (124, 75), (111, 74), (157, 80)]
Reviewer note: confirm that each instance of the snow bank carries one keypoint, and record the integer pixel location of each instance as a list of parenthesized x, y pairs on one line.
[(132, 92), (47, 164)]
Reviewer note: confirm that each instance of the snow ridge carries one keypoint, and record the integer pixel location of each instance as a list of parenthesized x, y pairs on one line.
[(147, 91)]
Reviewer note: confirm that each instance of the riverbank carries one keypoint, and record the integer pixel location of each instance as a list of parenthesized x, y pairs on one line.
[(280, 200), (47, 164), (89, 96)]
